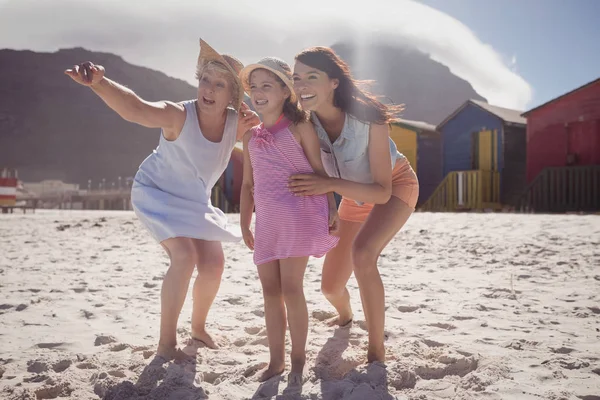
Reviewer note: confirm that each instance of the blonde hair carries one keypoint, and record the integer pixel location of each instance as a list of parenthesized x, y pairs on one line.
[(219, 68)]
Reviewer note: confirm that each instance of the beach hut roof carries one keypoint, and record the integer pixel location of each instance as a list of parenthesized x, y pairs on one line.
[(505, 114), (561, 96), (420, 125)]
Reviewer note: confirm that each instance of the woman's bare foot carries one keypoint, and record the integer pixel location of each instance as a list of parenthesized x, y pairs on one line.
[(375, 354), (271, 371), (343, 321), (171, 353), (204, 337)]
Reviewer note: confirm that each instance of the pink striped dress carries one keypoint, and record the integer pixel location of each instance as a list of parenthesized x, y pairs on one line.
[(286, 225)]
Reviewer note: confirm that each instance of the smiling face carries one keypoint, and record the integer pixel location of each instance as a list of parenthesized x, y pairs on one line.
[(215, 88), (267, 92), (313, 87)]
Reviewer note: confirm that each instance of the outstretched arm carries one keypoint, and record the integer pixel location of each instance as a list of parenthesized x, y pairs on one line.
[(160, 114)]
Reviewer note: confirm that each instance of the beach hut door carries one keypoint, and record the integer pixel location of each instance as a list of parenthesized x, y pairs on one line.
[(486, 147)]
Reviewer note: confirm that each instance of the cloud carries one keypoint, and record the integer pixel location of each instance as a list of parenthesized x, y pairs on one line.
[(164, 34)]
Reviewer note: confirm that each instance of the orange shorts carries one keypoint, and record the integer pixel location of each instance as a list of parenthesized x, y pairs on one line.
[(405, 186)]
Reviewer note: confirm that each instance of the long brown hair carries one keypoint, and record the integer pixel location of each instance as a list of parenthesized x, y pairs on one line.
[(348, 96)]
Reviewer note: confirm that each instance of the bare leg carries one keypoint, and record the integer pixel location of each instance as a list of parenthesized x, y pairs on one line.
[(210, 266), (380, 227), (270, 280), (337, 269), (292, 284), (182, 253)]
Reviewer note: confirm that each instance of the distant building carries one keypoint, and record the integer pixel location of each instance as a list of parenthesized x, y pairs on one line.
[(8, 186), (50, 187), (563, 152), (564, 131), (479, 136)]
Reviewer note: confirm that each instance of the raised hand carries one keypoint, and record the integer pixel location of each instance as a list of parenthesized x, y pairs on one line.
[(86, 73)]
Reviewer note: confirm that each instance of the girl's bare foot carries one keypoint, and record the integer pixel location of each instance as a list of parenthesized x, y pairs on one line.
[(271, 371), (295, 377), (295, 380), (204, 337)]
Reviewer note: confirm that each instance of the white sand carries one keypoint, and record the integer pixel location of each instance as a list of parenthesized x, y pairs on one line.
[(490, 306)]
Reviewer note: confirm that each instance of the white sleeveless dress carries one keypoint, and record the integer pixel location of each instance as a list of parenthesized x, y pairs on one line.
[(171, 190)]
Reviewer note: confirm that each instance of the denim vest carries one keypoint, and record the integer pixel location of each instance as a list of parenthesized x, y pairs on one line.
[(348, 156)]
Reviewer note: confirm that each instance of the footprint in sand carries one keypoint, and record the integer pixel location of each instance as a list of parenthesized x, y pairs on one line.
[(119, 347), (62, 365), (235, 301), (211, 377), (240, 342), (104, 339), (37, 366), (408, 309), (264, 341), (36, 378), (567, 362), (256, 330), (49, 345), (259, 312), (432, 343), (447, 365), (462, 318), (87, 365), (54, 391), (443, 325), (117, 373), (562, 350)]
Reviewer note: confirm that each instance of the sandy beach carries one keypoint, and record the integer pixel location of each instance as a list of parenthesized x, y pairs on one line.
[(480, 306)]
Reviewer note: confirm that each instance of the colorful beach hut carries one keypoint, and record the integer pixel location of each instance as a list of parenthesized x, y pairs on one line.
[(563, 152), (420, 142), (484, 158)]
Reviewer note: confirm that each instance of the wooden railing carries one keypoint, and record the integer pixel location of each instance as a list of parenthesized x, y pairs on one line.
[(563, 189), (466, 190)]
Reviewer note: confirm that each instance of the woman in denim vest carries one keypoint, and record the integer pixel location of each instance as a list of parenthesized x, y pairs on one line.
[(379, 188)]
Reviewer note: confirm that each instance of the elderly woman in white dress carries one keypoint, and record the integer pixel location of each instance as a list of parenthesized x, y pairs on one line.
[(171, 190)]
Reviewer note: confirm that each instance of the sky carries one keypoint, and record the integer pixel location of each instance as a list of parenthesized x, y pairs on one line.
[(516, 53), (553, 44)]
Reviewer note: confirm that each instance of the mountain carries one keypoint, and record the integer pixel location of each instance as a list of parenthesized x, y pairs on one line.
[(53, 128), (428, 89)]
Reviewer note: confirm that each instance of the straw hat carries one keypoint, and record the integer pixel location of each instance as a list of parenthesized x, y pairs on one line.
[(274, 65), (208, 54)]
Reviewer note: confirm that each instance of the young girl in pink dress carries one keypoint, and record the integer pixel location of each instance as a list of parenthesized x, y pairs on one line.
[(288, 228)]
